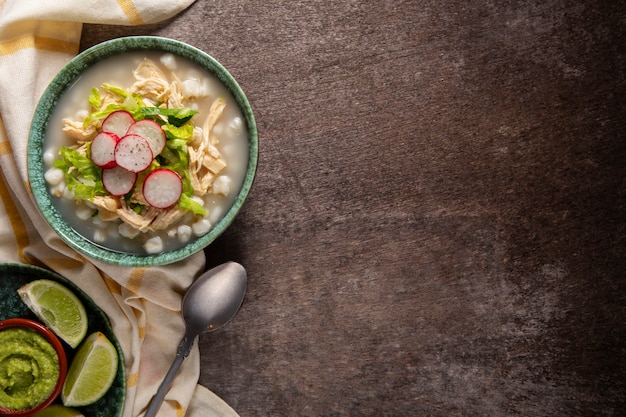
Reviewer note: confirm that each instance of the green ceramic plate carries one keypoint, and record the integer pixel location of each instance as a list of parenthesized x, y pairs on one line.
[(64, 80), (13, 276)]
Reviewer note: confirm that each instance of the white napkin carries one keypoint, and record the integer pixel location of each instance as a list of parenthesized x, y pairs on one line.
[(36, 39)]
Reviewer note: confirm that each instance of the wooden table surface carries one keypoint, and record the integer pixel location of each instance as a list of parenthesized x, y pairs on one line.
[(437, 226)]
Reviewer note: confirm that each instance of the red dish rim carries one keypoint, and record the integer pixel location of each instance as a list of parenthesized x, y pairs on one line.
[(58, 347)]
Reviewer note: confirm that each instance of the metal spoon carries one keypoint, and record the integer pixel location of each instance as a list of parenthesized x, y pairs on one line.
[(210, 302)]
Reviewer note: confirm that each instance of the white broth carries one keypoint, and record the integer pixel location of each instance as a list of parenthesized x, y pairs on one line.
[(201, 89)]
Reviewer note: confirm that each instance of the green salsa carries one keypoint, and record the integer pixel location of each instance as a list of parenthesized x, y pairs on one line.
[(29, 368)]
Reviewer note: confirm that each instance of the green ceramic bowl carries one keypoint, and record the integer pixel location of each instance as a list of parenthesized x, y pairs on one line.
[(63, 81)]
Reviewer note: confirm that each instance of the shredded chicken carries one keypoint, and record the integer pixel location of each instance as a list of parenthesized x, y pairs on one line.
[(153, 220), (107, 98), (175, 99), (82, 149), (214, 114), (152, 88), (76, 130), (140, 222), (205, 161), (151, 82), (148, 69), (107, 207), (107, 202), (167, 218)]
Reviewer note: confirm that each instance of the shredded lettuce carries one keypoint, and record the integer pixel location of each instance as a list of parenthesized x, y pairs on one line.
[(116, 90), (174, 132), (176, 117), (94, 98), (82, 177), (187, 203), (130, 104), (175, 152)]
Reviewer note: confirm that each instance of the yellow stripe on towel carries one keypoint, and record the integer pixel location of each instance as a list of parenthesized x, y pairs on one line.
[(131, 380), (38, 42), (112, 285), (63, 264), (135, 279), (131, 12), (17, 223), (5, 146)]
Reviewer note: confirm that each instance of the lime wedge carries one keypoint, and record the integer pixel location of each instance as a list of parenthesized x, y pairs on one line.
[(57, 410), (58, 307), (91, 372)]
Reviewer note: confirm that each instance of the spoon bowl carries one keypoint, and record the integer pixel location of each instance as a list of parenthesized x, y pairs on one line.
[(214, 298), (210, 302)]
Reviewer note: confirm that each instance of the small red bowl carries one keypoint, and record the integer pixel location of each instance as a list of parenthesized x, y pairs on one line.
[(58, 347)]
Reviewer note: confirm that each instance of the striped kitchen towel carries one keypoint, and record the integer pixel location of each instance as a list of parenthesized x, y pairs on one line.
[(37, 37)]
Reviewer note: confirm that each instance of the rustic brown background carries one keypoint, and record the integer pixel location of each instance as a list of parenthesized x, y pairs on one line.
[(437, 225)]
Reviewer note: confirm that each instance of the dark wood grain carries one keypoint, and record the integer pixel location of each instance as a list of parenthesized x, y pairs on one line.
[(437, 227)]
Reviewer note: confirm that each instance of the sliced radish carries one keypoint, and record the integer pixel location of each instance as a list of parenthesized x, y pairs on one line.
[(118, 122), (102, 150), (133, 153), (118, 181), (150, 131), (162, 188)]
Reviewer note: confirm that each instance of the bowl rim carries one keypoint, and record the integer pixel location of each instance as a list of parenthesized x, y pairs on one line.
[(60, 351), (63, 80)]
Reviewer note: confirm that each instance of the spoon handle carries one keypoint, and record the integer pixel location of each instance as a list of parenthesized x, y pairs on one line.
[(183, 351)]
